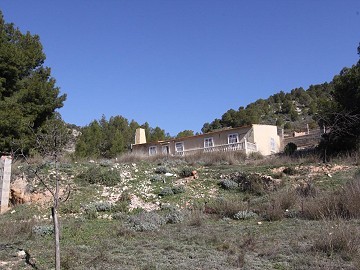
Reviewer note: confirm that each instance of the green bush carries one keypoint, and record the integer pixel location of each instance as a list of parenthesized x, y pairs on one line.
[(43, 230), (290, 149), (228, 184), (245, 215), (156, 178), (102, 206), (174, 217), (99, 175), (186, 172), (167, 191), (69, 207), (290, 171), (146, 221), (178, 189), (161, 170), (90, 211)]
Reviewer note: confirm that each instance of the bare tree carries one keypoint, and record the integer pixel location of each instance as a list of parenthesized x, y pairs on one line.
[(50, 142), (340, 128)]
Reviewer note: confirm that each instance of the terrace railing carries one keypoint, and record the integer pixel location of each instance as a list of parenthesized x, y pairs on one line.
[(243, 145)]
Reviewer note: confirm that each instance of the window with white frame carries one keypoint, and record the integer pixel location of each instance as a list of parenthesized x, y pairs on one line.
[(272, 144), (208, 142), (233, 138), (179, 147), (152, 150)]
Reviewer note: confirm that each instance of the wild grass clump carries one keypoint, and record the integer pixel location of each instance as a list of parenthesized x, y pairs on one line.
[(10, 231), (338, 238), (225, 207), (341, 203), (146, 221), (69, 207), (216, 158), (272, 211), (255, 156), (122, 204), (99, 175), (196, 218), (282, 203)]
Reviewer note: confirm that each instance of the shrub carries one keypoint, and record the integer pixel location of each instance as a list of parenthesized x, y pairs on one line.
[(252, 183), (122, 204), (99, 175), (186, 172), (161, 170), (178, 189), (290, 148), (102, 206), (167, 191), (90, 211), (69, 207), (306, 189), (245, 215), (272, 211), (229, 184), (256, 156), (290, 171), (287, 199), (196, 218), (156, 178), (174, 217), (224, 207), (43, 230), (146, 221)]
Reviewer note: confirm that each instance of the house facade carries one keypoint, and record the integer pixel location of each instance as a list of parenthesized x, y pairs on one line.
[(265, 139)]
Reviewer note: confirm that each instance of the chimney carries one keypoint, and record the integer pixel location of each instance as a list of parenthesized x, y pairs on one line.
[(140, 136)]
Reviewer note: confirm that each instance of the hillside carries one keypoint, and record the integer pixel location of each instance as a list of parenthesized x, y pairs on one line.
[(292, 111), (204, 212)]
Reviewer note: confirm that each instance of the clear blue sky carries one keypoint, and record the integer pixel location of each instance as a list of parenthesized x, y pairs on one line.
[(180, 63)]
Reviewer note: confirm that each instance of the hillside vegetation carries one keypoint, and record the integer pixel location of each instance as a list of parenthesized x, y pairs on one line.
[(218, 211), (292, 111)]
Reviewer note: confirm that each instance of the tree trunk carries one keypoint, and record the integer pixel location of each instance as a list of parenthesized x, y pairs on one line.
[(57, 238), (55, 216)]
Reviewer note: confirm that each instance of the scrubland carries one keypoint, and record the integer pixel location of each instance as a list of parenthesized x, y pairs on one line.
[(220, 211)]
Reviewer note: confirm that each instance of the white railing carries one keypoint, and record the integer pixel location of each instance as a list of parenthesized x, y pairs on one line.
[(240, 146), (251, 147)]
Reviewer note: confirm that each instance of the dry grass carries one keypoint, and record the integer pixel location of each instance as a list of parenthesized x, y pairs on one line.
[(216, 158), (338, 237), (341, 203), (225, 207)]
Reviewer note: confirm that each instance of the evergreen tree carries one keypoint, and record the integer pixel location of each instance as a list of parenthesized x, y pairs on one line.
[(28, 95), (185, 133)]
